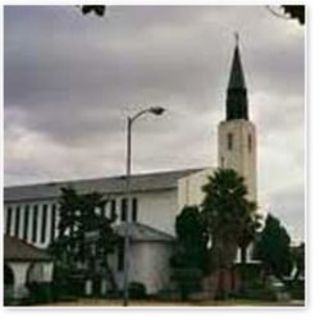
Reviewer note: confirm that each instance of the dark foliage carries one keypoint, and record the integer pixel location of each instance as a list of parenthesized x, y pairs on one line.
[(298, 257), (85, 239), (97, 10), (137, 290), (188, 261), (40, 292), (295, 12), (273, 248)]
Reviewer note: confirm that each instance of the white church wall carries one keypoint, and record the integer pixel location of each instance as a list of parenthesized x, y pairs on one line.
[(149, 264), (37, 209), (158, 209), (20, 270), (241, 154), (190, 188), (41, 271)]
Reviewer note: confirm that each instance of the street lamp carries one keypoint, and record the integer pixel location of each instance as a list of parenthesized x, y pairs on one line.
[(156, 110)]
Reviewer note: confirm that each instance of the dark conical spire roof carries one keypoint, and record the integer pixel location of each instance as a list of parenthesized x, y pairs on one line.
[(237, 102), (236, 80)]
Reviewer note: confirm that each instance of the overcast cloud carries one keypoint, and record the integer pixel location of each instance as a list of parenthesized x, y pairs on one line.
[(70, 80)]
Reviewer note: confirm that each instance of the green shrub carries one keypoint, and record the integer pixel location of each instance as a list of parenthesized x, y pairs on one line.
[(137, 290), (263, 294), (296, 289), (188, 281), (40, 292)]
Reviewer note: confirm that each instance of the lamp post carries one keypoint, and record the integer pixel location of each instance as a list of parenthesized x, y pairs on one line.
[(156, 110)]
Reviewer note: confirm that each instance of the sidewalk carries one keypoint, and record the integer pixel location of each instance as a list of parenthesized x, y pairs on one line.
[(156, 303)]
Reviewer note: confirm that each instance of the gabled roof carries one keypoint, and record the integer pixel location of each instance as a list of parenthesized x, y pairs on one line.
[(19, 250), (109, 185), (142, 232)]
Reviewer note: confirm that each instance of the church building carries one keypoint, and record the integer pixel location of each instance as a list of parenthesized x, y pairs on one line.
[(31, 212)]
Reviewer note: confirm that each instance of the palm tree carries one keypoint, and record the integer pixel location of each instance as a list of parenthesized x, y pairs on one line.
[(229, 217)]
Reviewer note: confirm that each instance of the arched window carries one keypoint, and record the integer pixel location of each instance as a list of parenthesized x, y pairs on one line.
[(222, 162), (113, 209), (249, 142), (44, 222), (124, 209), (230, 141), (9, 220), (17, 222), (8, 275), (134, 209), (35, 224), (26, 222), (53, 221)]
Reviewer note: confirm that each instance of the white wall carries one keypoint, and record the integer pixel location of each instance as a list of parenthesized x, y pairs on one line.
[(239, 158), (22, 205), (41, 271), (149, 264), (190, 188), (20, 270), (157, 209)]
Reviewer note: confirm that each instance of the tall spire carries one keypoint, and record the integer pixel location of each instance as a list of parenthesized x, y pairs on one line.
[(237, 104)]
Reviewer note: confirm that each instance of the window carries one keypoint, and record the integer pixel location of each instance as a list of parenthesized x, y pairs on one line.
[(26, 223), (9, 220), (103, 210), (249, 142), (44, 223), (98, 211), (222, 162), (124, 209), (121, 255), (53, 222), (113, 207), (230, 141), (17, 222), (134, 209), (35, 223)]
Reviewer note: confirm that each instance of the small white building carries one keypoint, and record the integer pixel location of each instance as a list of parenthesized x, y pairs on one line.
[(32, 211), (24, 264)]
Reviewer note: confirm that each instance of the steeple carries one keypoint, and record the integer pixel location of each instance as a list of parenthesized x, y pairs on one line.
[(237, 102)]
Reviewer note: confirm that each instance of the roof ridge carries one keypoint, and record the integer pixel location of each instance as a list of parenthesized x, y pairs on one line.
[(25, 250), (143, 174), (139, 230), (154, 229)]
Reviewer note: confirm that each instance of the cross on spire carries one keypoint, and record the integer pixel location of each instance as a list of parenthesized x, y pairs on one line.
[(236, 35)]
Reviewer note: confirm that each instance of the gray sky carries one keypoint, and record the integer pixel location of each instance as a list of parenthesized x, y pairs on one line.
[(70, 80)]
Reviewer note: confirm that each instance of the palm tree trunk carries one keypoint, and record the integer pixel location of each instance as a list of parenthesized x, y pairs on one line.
[(221, 292)]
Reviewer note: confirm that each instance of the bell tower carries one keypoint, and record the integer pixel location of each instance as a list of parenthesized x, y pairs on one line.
[(237, 145)]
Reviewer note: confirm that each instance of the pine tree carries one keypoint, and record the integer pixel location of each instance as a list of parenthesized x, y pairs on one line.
[(81, 218), (273, 248)]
